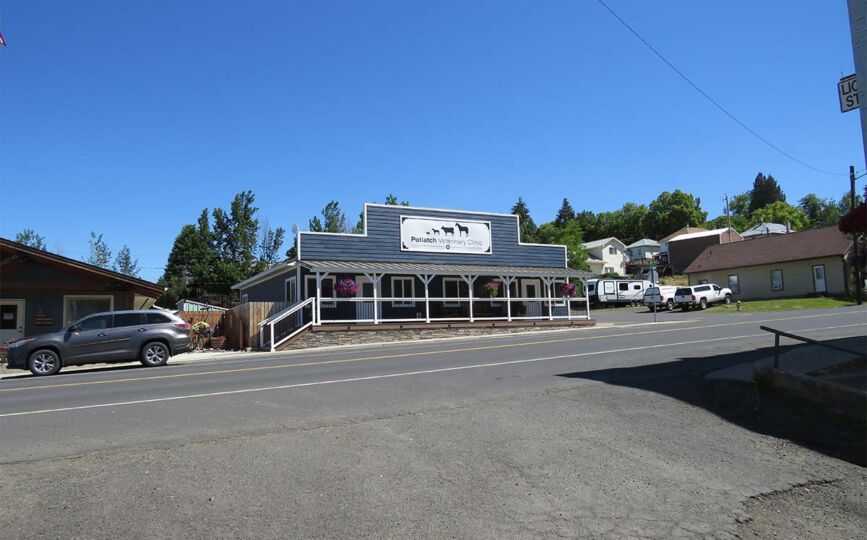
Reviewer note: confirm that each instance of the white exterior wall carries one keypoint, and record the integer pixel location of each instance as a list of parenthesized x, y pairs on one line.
[(611, 262)]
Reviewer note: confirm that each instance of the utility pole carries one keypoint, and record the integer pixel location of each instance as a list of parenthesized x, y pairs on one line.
[(728, 218), (855, 249)]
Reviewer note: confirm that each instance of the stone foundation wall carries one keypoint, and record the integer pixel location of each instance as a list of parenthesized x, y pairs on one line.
[(320, 338)]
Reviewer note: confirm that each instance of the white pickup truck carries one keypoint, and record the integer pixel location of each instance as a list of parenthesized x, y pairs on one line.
[(701, 296), (661, 295)]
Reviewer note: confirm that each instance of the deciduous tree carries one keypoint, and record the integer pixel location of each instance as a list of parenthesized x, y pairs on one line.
[(783, 213), (672, 210)]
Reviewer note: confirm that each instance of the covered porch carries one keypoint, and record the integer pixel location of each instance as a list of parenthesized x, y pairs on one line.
[(438, 293)]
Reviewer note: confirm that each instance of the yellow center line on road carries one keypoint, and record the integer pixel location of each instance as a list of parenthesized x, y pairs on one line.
[(400, 374), (409, 354)]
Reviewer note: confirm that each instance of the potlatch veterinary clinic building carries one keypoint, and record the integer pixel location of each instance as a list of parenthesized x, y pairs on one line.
[(420, 265)]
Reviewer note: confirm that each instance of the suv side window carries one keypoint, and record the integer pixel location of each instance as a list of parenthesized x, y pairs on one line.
[(100, 322), (703, 288), (128, 319), (716, 288), (156, 318)]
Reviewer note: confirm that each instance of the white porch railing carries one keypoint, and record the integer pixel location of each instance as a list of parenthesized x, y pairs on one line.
[(516, 309), (291, 322)]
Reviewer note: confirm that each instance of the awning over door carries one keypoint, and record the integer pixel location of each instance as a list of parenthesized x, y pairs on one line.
[(365, 267)]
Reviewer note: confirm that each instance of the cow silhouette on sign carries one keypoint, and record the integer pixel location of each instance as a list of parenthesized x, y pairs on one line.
[(448, 230)]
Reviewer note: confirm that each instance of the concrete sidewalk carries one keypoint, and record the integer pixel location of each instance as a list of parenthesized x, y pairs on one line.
[(804, 359)]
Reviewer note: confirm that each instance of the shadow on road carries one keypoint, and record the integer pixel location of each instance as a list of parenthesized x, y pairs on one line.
[(837, 433)]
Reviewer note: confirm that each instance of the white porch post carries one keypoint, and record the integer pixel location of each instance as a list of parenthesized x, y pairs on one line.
[(568, 300), (549, 294), (470, 281), (318, 315), (375, 279), (586, 297), (507, 281), (426, 279)]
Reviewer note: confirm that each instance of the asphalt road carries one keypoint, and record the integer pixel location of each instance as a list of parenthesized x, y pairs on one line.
[(509, 436)]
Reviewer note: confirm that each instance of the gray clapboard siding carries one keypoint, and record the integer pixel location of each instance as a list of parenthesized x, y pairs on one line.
[(382, 242)]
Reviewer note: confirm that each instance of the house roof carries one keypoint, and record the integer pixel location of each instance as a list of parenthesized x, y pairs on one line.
[(602, 243), (145, 288), (361, 267), (825, 242), (765, 229), (700, 234), (275, 270), (684, 230), (644, 242)]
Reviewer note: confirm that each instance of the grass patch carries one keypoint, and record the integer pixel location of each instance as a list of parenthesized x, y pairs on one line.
[(784, 304)]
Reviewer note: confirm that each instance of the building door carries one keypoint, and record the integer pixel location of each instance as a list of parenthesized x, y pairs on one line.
[(819, 284), (364, 310), (532, 288), (11, 319)]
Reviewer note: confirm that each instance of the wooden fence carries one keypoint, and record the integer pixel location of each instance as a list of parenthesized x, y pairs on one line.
[(239, 325)]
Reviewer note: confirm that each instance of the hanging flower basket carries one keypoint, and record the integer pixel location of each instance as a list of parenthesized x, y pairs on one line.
[(569, 290), (346, 288), (493, 287)]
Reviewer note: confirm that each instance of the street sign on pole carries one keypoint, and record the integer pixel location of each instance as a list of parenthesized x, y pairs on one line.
[(848, 91)]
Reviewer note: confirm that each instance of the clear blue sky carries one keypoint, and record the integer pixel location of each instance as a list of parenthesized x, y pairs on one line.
[(128, 118)]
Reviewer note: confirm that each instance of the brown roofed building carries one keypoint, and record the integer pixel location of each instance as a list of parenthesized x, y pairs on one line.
[(795, 264), (42, 292)]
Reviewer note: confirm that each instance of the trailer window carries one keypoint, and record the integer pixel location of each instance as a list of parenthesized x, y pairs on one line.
[(636, 287), (608, 287), (623, 286)]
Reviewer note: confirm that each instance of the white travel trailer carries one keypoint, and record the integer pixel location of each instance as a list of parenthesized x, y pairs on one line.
[(617, 291)]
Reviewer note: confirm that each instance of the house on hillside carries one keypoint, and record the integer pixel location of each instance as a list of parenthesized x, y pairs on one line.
[(663, 244), (684, 248), (796, 264), (765, 229), (606, 256), (44, 292), (641, 250)]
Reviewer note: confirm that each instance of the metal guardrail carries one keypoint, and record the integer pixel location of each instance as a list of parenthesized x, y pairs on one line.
[(778, 333)]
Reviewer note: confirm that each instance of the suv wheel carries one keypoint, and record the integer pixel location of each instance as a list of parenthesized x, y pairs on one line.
[(728, 299), (154, 354), (669, 305), (43, 362), (702, 304)]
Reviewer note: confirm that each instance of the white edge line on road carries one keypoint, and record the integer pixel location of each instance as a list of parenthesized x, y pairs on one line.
[(395, 375)]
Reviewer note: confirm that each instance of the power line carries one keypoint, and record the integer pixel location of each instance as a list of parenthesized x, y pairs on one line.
[(712, 100)]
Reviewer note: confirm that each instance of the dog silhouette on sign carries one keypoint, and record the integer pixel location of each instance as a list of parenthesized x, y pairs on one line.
[(462, 230), (448, 230), (434, 231)]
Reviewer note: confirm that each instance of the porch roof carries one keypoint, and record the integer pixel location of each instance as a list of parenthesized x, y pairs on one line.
[(362, 267)]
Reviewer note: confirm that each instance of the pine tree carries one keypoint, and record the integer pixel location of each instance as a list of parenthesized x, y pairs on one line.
[(31, 238), (565, 214), (100, 255), (765, 191), (528, 226), (125, 264)]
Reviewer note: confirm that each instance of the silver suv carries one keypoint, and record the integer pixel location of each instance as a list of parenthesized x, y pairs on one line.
[(150, 336)]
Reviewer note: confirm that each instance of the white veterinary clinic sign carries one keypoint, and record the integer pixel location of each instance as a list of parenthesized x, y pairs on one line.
[(439, 235)]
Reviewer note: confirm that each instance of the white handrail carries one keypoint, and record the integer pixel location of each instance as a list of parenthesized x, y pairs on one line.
[(279, 316)]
